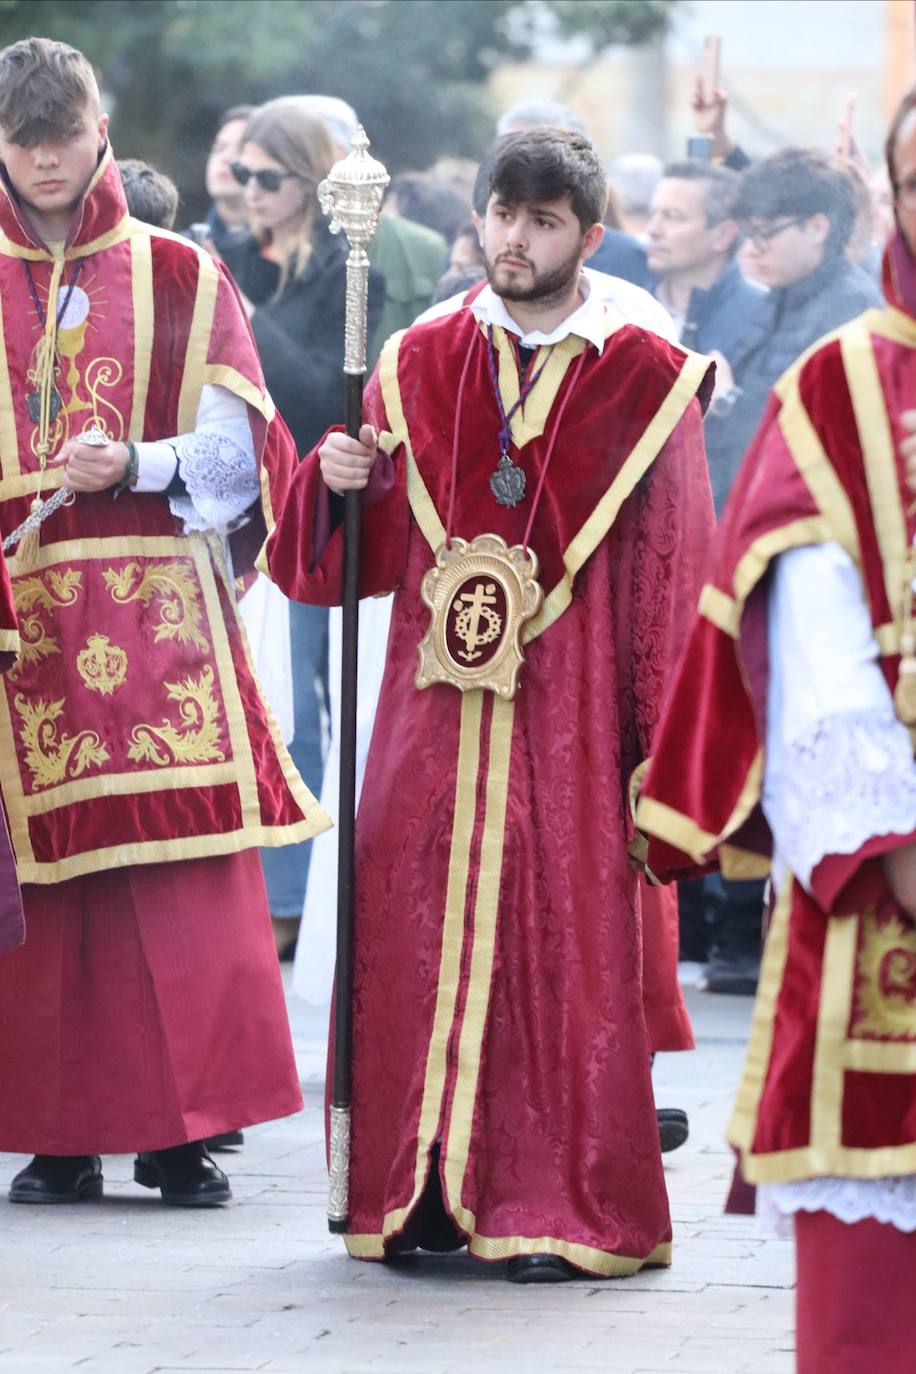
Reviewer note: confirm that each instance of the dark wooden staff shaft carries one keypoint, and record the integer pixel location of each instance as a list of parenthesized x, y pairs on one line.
[(346, 818)]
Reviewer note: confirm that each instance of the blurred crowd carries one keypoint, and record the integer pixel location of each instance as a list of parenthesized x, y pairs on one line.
[(753, 261)]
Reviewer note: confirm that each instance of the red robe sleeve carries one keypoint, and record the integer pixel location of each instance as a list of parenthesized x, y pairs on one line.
[(304, 553), (676, 530)]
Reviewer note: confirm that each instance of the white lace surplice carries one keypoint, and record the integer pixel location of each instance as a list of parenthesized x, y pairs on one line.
[(839, 771), (216, 462)]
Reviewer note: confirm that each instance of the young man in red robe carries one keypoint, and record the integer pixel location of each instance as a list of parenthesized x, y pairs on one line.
[(536, 470), (144, 1012), (787, 745)]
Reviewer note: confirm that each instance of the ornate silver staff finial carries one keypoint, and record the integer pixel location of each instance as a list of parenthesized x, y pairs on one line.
[(351, 196)]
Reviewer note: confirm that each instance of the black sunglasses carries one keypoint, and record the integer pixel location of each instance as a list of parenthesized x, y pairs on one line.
[(268, 180)]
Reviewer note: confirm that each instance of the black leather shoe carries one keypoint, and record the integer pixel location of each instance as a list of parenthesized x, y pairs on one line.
[(226, 1140), (540, 1269), (59, 1178), (673, 1128), (185, 1175)]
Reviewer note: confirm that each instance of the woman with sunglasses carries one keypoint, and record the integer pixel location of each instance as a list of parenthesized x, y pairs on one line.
[(292, 273)]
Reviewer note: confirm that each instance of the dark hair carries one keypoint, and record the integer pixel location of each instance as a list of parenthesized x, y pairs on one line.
[(720, 186), (907, 104), (426, 201), (548, 164), (799, 183), (44, 89), (233, 113), (150, 195)]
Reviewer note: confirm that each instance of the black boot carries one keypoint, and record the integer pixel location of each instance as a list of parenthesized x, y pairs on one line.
[(59, 1178), (673, 1128), (185, 1175), (226, 1140), (541, 1269)]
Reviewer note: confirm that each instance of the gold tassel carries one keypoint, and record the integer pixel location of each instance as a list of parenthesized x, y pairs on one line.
[(26, 556)]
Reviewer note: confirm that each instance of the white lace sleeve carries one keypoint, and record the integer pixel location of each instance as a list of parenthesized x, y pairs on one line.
[(891, 1200), (216, 462), (839, 765)]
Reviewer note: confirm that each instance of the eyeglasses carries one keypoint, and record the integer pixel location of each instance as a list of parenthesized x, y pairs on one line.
[(269, 179), (759, 238), (905, 192)]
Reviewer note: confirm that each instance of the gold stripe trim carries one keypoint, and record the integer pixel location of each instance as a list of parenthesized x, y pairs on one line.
[(141, 285), (817, 472), (646, 450), (165, 851), (835, 1004), (9, 439), (530, 420), (877, 446), (601, 1262), (452, 944), (239, 738), (721, 609), (195, 360), (219, 374), (890, 323), (672, 826), (419, 499), (811, 529), (128, 784), (879, 1056), (789, 1165), (303, 797), (457, 1139), (743, 1124)]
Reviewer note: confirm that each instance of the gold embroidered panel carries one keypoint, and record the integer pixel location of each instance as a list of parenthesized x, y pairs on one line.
[(125, 677)]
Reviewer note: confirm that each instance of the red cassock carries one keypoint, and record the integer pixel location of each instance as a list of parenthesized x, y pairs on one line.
[(829, 1085), (499, 1024), (140, 765)]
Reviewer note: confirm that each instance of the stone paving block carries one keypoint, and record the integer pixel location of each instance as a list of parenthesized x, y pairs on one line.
[(133, 1287)]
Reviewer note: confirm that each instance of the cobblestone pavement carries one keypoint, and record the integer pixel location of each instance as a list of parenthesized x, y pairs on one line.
[(129, 1286)]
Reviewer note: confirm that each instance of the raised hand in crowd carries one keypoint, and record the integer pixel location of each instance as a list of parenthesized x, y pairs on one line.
[(710, 108)]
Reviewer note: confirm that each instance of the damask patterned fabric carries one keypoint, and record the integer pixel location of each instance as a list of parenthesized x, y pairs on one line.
[(499, 1016)]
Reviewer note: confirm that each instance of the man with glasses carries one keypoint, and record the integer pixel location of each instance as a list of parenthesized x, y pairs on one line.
[(797, 210)]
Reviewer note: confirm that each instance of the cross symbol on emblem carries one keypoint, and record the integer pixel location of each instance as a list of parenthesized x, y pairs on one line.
[(472, 608)]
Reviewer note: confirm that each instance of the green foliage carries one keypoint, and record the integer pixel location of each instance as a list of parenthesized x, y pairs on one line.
[(415, 70)]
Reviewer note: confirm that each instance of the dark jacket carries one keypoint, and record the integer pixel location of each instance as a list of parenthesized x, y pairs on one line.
[(300, 337), (725, 316), (620, 255), (795, 317)]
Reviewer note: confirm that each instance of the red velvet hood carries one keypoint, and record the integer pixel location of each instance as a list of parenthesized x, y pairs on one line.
[(102, 211)]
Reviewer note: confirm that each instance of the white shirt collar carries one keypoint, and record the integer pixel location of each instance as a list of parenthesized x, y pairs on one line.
[(587, 320)]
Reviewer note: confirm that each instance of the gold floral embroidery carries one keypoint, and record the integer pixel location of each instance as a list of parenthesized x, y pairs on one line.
[(196, 740), (51, 758), (886, 968), (173, 583), (34, 595), (102, 665)]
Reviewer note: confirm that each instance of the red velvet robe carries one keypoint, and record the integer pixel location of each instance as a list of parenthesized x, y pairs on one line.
[(133, 734), (498, 1003), (829, 1084)]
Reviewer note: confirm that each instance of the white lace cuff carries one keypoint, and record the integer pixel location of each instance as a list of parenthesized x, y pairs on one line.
[(891, 1200), (221, 479), (843, 781)]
